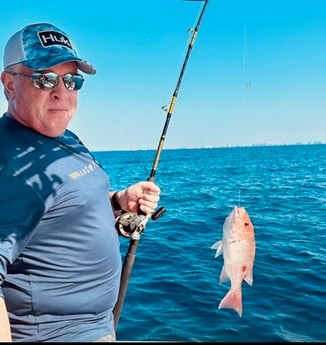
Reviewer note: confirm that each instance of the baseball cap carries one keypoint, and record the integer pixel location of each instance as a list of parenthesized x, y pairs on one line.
[(41, 46)]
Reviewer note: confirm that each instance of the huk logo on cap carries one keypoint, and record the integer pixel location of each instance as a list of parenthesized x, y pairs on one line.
[(49, 38)]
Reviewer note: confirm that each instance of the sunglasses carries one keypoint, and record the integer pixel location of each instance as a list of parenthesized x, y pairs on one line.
[(49, 80)]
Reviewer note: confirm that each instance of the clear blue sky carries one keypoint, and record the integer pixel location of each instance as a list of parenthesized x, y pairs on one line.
[(256, 74)]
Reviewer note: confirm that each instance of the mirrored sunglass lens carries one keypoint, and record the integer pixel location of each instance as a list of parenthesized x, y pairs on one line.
[(45, 80), (73, 81)]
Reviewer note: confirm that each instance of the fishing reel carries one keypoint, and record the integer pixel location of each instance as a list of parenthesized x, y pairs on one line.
[(131, 224)]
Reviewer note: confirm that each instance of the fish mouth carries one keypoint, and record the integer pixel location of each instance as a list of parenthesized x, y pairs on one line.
[(238, 212), (238, 217)]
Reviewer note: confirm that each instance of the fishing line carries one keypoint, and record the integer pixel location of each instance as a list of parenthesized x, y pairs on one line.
[(245, 85), (133, 224), (240, 174)]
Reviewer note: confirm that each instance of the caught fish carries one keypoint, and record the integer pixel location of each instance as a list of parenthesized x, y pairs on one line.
[(238, 247)]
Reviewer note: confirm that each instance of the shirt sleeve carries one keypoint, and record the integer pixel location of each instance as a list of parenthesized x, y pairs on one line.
[(20, 211)]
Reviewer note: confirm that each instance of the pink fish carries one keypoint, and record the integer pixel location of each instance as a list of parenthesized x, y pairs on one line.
[(238, 247)]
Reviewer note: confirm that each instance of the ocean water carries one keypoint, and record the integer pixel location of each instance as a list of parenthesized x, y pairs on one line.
[(174, 290)]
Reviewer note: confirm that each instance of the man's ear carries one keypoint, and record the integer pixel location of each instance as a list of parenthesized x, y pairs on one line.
[(8, 84)]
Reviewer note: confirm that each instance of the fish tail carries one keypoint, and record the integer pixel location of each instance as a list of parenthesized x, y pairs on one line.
[(232, 300)]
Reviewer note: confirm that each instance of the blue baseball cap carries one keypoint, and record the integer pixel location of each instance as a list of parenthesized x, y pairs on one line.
[(41, 46)]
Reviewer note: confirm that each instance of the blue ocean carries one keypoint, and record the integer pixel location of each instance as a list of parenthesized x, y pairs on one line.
[(174, 290)]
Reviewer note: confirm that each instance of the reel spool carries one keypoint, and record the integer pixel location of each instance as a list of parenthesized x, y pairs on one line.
[(130, 224)]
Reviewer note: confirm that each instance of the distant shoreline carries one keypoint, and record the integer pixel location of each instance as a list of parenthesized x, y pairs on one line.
[(215, 147)]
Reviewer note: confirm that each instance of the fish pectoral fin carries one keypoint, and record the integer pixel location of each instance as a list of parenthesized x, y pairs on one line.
[(219, 248), (232, 300)]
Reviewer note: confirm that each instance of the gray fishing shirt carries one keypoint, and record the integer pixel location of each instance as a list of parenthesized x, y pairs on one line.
[(60, 259)]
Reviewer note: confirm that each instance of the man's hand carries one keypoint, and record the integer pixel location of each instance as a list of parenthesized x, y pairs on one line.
[(142, 196)]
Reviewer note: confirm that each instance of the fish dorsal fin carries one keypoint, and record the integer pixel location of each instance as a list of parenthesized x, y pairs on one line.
[(249, 277)]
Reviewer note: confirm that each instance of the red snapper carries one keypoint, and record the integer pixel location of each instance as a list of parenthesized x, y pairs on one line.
[(238, 247)]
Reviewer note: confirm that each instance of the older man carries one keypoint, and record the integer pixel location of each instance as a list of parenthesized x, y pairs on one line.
[(60, 260)]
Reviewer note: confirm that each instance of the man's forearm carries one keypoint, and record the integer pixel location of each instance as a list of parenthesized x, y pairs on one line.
[(5, 333)]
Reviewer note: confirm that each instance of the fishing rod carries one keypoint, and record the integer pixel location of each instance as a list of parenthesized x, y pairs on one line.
[(130, 224)]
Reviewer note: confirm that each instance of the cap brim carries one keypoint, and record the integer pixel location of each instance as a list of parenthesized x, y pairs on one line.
[(42, 64)]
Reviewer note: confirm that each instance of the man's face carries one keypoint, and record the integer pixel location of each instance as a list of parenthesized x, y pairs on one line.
[(46, 111)]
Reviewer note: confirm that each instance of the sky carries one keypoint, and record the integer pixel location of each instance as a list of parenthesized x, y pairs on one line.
[(256, 73)]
